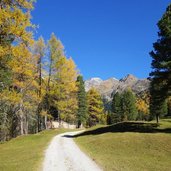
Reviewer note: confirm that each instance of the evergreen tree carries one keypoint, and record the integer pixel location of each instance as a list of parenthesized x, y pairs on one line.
[(82, 102), (161, 65), (128, 104), (116, 108), (95, 107), (169, 106)]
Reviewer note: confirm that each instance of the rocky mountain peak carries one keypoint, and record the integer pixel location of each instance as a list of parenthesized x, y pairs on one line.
[(93, 82), (129, 78), (111, 85), (96, 79)]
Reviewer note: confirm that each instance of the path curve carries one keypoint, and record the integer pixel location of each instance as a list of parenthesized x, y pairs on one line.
[(64, 155)]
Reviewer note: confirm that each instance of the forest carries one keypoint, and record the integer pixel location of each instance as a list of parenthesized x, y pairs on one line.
[(39, 83)]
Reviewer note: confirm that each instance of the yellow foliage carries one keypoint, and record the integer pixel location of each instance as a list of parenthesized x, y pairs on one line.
[(142, 106), (11, 97), (65, 89), (16, 41), (95, 106)]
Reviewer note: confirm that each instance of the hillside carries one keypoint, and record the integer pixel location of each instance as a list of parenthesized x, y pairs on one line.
[(129, 146), (112, 85)]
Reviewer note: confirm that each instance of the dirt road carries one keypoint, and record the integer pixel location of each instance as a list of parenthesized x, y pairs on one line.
[(64, 155)]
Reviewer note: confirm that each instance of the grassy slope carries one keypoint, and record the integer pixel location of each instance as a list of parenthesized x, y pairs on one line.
[(25, 153), (143, 148)]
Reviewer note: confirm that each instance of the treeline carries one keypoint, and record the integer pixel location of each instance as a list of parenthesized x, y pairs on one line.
[(128, 106), (124, 107), (158, 102)]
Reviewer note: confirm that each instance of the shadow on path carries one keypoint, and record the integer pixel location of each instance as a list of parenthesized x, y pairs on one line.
[(68, 136)]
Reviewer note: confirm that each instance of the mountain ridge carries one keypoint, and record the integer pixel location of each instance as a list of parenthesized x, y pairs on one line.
[(113, 85)]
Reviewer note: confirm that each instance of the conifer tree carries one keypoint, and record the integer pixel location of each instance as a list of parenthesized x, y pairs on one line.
[(116, 108), (128, 103), (64, 90), (95, 107), (161, 66), (82, 102), (39, 50), (56, 50), (169, 106)]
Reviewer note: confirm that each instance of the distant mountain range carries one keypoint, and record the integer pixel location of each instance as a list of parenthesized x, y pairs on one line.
[(112, 85)]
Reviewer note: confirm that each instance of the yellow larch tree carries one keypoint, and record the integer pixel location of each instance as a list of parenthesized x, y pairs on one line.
[(65, 89), (39, 51), (15, 42), (95, 107), (143, 108)]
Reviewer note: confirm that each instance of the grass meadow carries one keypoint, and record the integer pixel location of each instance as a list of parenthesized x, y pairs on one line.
[(129, 146)]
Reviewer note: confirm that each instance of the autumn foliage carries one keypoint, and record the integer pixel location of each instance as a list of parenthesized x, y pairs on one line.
[(35, 76)]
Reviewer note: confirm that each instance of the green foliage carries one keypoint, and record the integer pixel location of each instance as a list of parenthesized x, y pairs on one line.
[(82, 102), (128, 103), (116, 108), (123, 107), (169, 106), (161, 65), (5, 72)]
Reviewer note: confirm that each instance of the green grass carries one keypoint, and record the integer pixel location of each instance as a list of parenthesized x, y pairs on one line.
[(129, 146), (25, 153)]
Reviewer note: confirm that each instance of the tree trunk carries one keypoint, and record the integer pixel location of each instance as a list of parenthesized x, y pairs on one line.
[(21, 124), (78, 124), (49, 77), (157, 118), (38, 121), (45, 120), (25, 125), (59, 120)]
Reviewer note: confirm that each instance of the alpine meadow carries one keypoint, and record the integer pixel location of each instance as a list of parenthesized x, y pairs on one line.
[(57, 116)]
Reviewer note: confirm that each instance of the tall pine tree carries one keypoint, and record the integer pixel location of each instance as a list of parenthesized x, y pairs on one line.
[(161, 66), (128, 103), (82, 102), (116, 108)]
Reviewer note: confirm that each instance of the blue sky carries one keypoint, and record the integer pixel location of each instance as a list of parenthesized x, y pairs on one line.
[(106, 38)]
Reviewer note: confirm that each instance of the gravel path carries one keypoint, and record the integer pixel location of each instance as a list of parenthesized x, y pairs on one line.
[(64, 155)]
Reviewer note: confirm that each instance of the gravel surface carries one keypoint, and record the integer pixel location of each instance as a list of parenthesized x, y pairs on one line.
[(64, 155)]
